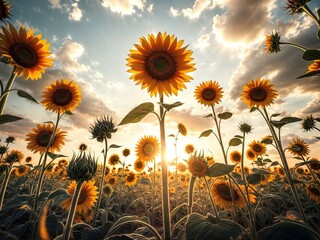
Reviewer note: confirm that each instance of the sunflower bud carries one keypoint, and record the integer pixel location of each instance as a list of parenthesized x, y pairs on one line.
[(103, 128), (3, 149), (308, 123), (245, 127), (182, 129), (82, 167), (295, 6), (10, 139)]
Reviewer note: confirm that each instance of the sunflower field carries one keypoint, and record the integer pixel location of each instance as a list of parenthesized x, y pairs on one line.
[(200, 197)]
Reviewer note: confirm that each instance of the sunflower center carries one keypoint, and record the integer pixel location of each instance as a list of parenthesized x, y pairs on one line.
[(24, 55), (251, 154), (21, 169), (62, 97), (257, 148), (112, 181), (160, 66), (224, 192), (258, 94), (148, 149), (197, 166), (236, 157), (82, 196), (298, 148), (208, 94), (130, 178), (314, 190), (43, 138), (139, 164)]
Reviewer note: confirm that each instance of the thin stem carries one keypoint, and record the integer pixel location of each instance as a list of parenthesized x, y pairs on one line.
[(294, 45), (219, 134), (190, 194), (311, 14), (8, 87), (212, 202), (164, 178), (4, 186), (71, 214), (153, 191)]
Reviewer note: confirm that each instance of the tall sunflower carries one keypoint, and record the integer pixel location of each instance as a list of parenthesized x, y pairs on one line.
[(272, 43), (257, 148), (21, 170), (88, 196), (182, 129), (235, 157), (160, 64), (259, 93), (29, 53), (39, 137), (208, 93), (61, 96), (298, 147), (147, 148), (139, 165)]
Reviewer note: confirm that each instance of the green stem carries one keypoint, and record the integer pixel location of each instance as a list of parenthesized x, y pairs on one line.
[(4, 186), (96, 210), (190, 194), (8, 87), (219, 134), (311, 14), (164, 178), (212, 202), (294, 45), (153, 190), (75, 198)]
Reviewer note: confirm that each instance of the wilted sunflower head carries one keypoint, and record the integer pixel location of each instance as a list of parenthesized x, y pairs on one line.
[(182, 129), (13, 156), (82, 167), (315, 164), (298, 147), (198, 165), (5, 10), (295, 6), (103, 128), (160, 63), (245, 127), (308, 123), (272, 42), (208, 93)]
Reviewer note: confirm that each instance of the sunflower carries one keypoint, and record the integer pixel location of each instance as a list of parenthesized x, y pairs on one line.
[(250, 154), (160, 64), (181, 167), (28, 159), (298, 147), (5, 9), (259, 93), (108, 190), (314, 66), (63, 163), (272, 43), (40, 136), (61, 96), (221, 193), (21, 170), (279, 170), (257, 148), (266, 178), (126, 152), (131, 179), (88, 196), (139, 165), (235, 157), (29, 53), (208, 93), (83, 147), (313, 192), (299, 171), (13, 156), (197, 165), (107, 171), (182, 129), (315, 164), (189, 148), (147, 148), (114, 159), (172, 189), (112, 181)]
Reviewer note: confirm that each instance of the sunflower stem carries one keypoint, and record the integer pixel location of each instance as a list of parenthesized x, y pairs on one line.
[(294, 45), (71, 214), (164, 177), (7, 89), (105, 154), (4, 185), (308, 11), (212, 202)]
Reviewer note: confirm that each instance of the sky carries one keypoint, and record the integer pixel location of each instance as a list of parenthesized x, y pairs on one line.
[(90, 41)]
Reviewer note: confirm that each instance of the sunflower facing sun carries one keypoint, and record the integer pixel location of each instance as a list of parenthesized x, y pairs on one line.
[(208, 93), (147, 148), (160, 64), (29, 53)]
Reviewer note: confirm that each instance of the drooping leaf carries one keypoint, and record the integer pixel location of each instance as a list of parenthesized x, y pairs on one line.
[(26, 95), (275, 115), (260, 171), (275, 163), (311, 54), (206, 133), (6, 118), (207, 116), (235, 142), (310, 74), (57, 193), (219, 169), (225, 115), (171, 135), (138, 113), (114, 146)]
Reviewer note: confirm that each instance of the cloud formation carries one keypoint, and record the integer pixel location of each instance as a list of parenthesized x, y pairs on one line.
[(202, 42), (124, 7), (198, 7), (174, 12), (75, 13), (55, 4)]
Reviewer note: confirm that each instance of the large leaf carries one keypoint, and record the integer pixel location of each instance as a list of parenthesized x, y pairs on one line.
[(311, 54), (219, 169), (138, 113), (26, 95), (225, 115), (235, 142), (210, 228), (5, 118), (254, 178), (168, 107), (206, 133)]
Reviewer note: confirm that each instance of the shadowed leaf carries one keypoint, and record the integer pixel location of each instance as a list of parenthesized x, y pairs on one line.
[(219, 169), (311, 54), (26, 95), (5, 118)]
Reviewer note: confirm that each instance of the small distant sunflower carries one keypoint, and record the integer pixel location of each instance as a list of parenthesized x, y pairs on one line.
[(198, 166), (272, 43), (299, 171), (126, 152), (221, 194), (13, 156), (235, 157), (28, 159), (266, 178), (257, 147), (10, 139), (63, 163), (107, 171), (61, 96), (114, 159), (245, 127), (39, 138), (83, 147), (189, 148), (280, 171), (21, 170), (313, 191), (88, 196), (112, 181), (181, 167), (172, 189), (182, 129), (139, 165), (298, 147), (5, 9), (315, 66), (160, 64), (250, 154), (315, 165), (246, 169), (108, 190), (147, 148), (131, 179), (208, 93), (259, 93)]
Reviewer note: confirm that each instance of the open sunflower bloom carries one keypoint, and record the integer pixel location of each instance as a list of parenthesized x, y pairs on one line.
[(160, 64)]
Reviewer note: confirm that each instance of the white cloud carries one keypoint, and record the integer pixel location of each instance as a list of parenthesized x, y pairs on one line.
[(203, 42), (24, 24), (150, 8), (55, 4), (198, 7), (124, 7), (174, 12), (114, 85), (75, 14), (312, 107)]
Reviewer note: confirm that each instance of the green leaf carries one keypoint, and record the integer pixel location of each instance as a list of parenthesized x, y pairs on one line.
[(235, 142), (68, 113), (310, 74), (207, 116), (253, 109), (26, 95), (284, 121), (114, 146), (219, 169), (5, 118), (206, 133), (254, 178), (138, 113), (238, 136), (17, 201), (307, 162), (199, 227), (275, 163), (54, 156), (177, 208), (171, 135), (267, 160), (168, 107), (225, 115), (267, 141), (260, 171), (275, 115), (57, 193), (311, 54)]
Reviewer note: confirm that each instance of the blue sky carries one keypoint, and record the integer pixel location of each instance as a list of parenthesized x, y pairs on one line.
[(90, 40)]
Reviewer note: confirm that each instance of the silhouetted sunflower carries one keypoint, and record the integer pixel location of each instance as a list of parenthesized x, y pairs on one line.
[(182, 129), (114, 159), (208, 93), (5, 10), (272, 43), (147, 148), (160, 64), (13, 156)]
